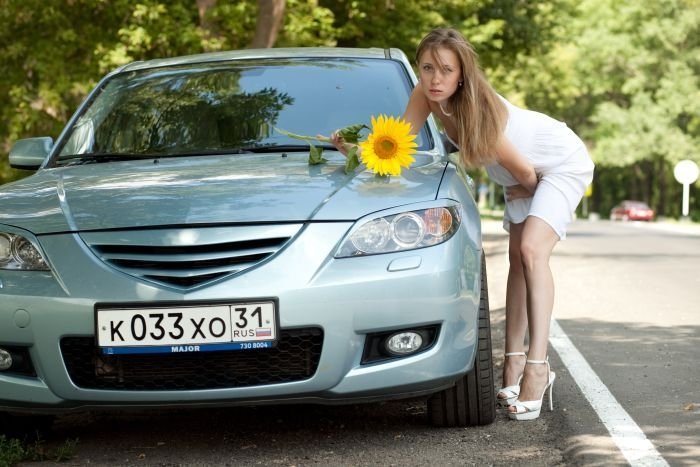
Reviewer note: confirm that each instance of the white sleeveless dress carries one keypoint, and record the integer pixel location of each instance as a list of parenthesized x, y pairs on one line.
[(558, 156)]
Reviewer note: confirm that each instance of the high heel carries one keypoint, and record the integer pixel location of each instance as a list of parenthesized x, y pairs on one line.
[(507, 395), (530, 410)]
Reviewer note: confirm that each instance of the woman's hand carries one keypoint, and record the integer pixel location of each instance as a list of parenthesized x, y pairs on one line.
[(340, 143), (517, 192)]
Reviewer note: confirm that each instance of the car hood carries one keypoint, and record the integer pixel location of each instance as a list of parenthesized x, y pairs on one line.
[(208, 190)]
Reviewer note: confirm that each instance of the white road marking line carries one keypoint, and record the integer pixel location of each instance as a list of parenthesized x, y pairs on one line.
[(630, 439)]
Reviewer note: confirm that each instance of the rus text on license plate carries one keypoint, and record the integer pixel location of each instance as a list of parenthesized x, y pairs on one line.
[(236, 326)]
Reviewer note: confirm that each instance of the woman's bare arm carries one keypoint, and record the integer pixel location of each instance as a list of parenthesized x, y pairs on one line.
[(515, 163), (417, 110)]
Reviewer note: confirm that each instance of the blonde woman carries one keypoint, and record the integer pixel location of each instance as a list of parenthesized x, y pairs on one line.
[(544, 168)]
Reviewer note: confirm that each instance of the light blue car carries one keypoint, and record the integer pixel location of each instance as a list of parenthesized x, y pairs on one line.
[(174, 248)]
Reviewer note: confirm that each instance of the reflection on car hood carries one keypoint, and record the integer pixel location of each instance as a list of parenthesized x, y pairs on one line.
[(207, 190)]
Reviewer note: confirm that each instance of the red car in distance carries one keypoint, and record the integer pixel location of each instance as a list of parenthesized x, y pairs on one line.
[(632, 211)]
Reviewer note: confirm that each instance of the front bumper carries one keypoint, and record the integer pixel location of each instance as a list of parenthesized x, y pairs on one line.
[(346, 298)]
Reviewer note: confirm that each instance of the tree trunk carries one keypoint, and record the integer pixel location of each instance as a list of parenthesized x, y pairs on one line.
[(662, 186), (270, 15), (634, 182), (203, 7)]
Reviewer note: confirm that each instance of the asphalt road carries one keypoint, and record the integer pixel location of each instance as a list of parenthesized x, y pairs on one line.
[(633, 312), (627, 298)]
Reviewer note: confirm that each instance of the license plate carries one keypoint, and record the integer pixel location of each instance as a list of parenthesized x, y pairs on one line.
[(236, 326)]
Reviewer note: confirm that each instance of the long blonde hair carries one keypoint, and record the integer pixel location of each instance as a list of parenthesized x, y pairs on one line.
[(478, 111)]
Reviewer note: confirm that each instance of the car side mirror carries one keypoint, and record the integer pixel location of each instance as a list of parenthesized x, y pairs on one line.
[(30, 153)]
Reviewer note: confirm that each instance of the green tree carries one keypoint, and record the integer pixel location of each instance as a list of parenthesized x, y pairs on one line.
[(643, 97), (501, 30), (55, 51)]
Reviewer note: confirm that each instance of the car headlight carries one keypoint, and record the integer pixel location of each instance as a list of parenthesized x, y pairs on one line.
[(400, 232), (16, 252)]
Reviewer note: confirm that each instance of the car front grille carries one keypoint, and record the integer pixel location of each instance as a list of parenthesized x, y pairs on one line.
[(294, 358), (189, 257)]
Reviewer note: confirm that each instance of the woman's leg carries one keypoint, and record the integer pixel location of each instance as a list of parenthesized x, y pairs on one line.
[(537, 242), (516, 309)]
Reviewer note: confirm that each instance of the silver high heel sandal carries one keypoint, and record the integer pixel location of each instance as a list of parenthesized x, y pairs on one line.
[(507, 395), (530, 410)]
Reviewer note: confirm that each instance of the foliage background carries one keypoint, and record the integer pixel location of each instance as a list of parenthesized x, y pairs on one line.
[(622, 73)]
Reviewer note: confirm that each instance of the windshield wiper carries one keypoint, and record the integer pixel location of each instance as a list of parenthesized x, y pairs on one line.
[(250, 149), (98, 157), (287, 148)]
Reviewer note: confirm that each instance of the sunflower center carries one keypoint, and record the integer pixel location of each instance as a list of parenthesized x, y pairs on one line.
[(385, 147)]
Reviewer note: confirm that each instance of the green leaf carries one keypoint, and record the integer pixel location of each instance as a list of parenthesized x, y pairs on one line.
[(351, 134), (352, 161), (316, 155)]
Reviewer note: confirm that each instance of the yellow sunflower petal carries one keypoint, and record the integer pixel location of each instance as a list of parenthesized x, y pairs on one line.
[(389, 147)]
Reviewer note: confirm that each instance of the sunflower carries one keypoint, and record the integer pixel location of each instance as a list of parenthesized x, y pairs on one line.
[(389, 146)]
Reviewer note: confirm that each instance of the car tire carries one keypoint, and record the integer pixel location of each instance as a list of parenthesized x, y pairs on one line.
[(471, 401)]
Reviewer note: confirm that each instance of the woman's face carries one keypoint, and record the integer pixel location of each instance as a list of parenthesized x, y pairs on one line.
[(440, 73)]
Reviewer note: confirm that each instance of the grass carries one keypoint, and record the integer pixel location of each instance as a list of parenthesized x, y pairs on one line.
[(14, 451)]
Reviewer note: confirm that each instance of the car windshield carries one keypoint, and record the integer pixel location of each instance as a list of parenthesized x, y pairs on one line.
[(233, 107)]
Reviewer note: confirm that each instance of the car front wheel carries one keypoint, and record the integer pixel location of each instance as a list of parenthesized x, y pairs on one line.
[(471, 401)]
